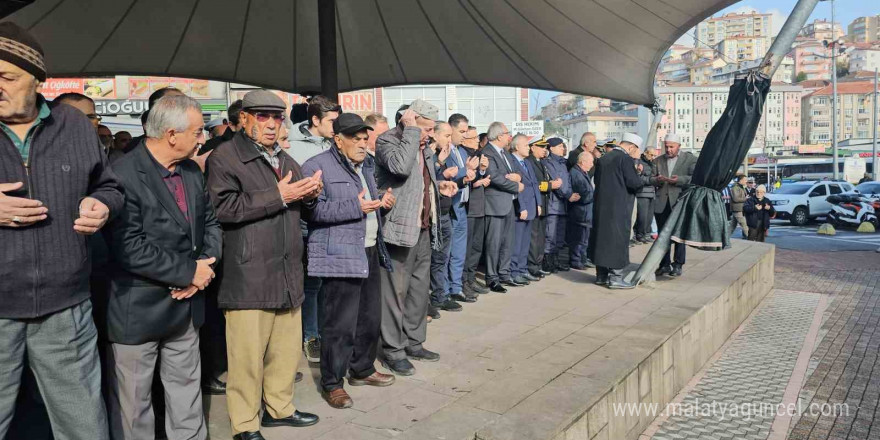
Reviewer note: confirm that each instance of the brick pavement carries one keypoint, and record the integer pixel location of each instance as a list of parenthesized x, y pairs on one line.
[(754, 369), (842, 367), (843, 375)]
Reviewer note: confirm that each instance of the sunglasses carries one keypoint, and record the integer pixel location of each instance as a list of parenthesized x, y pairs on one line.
[(265, 116)]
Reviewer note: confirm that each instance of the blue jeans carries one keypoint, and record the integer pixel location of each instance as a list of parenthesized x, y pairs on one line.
[(519, 263), (439, 263), (458, 251), (313, 305)]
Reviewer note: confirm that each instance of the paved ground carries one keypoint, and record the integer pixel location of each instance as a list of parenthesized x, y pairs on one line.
[(754, 368), (506, 359), (834, 384), (805, 238)]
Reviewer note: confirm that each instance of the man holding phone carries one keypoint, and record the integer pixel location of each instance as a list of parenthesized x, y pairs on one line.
[(411, 231)]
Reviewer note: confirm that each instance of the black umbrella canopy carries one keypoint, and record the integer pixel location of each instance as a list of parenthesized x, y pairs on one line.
[(608, 48)]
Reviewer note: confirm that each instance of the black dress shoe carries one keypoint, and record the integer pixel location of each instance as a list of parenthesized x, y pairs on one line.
[(214, 387), (663, 270), (249, 436), (601, 281), (423, 355), (578, 267), (676, 270), (544, 273), (467, 297), (299, 377), (497, 287), (564, 268), (433, 312), (478, 288), (510, 283), (521, 280), (297, 420), (402, 367), (449, 306), (531, 277)]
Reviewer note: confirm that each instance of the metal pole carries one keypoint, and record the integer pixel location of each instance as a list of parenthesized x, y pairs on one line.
[(875, 119), (834, 161), (782, 44), (327, 48)]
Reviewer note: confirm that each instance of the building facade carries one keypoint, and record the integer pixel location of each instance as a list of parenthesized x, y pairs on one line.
[(743, 47), (691, 111), (854, 112), (864, 59), (710, 32), (822, 30), (864, 29), (481, 104), (603, 124), (810, 58)]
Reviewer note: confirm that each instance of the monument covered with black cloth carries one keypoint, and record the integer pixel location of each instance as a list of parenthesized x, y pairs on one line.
[(699, 218)]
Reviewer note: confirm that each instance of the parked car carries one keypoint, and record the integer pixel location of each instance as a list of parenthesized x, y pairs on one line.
[(801, 201), (869, 189)]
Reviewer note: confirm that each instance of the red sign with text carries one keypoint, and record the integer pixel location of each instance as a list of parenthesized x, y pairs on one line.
[(56, 86)]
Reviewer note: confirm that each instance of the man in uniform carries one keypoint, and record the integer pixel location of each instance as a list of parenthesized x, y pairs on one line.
[(539, 151)]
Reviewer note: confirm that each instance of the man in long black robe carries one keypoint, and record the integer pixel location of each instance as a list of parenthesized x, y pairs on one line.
[(617, 182)]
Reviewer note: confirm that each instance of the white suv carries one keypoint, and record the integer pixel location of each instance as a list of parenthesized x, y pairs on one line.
[(801, 201)]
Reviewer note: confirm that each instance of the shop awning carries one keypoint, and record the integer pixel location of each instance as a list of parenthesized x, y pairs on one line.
[(607, 48)]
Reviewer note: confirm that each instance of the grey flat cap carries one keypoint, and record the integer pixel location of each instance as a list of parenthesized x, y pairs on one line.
[(262, 100), (425, 109)]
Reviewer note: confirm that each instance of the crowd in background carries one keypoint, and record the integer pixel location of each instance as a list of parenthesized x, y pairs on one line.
[(320, 234)]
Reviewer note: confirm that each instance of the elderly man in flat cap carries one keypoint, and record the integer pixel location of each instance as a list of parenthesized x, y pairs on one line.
[(259, 192), (672, 174), (411, 231), (617, 181), (55, 187)]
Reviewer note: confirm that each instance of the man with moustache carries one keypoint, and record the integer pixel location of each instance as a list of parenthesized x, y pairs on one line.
[(347, 251), (164, 245), (258, 192)]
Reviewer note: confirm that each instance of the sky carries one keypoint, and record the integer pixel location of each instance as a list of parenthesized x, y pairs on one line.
[(846, 11)]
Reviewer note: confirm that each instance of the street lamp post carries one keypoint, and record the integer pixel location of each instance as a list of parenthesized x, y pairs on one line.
[(874, 123), (834, 97)]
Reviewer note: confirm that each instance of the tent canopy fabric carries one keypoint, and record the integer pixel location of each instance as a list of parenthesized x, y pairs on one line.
[(608, 48)]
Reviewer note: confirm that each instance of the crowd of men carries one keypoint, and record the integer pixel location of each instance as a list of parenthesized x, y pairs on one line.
[(333, 235)]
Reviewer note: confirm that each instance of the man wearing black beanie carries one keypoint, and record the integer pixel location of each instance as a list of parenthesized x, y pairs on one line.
[(55, 187)]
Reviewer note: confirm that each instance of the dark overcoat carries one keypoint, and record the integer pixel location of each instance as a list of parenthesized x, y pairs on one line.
[(262, 241), (617, 182)]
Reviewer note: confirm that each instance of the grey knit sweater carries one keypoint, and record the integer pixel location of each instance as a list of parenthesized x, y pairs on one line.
[(45, 268)]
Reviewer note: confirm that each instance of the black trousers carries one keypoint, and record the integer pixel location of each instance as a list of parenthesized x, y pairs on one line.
[(644, 215), (499, 246), (476, 237), (536, 247), (350, 328), (680, 248), (212, 337)]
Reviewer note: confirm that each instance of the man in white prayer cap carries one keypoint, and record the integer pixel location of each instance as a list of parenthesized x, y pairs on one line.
[(672, 174), (617, 182)]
